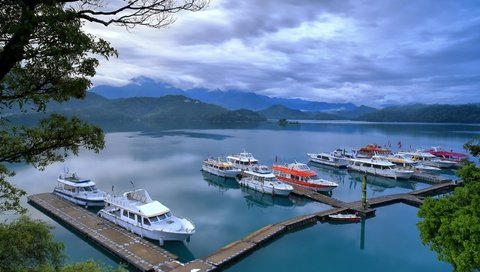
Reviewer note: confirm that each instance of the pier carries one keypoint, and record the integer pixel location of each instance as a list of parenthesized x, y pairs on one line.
[(132, 249), (146, 256)]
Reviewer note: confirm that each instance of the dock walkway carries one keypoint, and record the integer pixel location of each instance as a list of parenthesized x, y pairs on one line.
[(146, 256), (129, 247)]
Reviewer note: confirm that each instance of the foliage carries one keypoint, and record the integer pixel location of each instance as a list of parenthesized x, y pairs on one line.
[(90, 266), (469, 113), (451, 224), (27, 245), (45, 55)]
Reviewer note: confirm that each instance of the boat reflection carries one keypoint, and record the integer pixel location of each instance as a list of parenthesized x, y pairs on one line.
[(223, 184), (256, 198), (179, 249), (379, 184)]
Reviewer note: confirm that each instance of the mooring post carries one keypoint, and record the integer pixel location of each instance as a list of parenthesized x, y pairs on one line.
[(364, 192)]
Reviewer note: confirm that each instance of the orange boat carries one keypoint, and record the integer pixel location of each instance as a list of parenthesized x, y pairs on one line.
[(373, 149), (300, 174)]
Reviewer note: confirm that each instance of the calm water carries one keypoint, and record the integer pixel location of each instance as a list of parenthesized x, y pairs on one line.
[(168, 164)]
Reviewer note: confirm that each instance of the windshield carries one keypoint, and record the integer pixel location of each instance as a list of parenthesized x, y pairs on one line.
[(161, 217)]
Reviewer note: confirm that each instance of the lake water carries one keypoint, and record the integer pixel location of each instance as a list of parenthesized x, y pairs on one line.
[(167, 163)]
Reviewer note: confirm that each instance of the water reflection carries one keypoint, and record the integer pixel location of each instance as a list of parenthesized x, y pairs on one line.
[(259, 199), (379, 184), (223, 184)]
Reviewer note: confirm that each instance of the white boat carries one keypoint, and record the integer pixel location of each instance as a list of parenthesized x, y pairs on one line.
[(138, 213), (334, 159), (347, 218), (428, 159), (260, 178), (380, 167), (243, 160), (78, 190), (220, 168), (405, 161)]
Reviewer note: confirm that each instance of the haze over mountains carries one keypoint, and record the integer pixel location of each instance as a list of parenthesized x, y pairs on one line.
[(155, 103)]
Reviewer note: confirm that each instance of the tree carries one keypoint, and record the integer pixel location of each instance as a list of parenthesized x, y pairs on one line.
[(45, 55), (27, 245), (451, 224)]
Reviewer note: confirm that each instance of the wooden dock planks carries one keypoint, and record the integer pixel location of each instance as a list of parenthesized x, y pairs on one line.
[(131, 248)]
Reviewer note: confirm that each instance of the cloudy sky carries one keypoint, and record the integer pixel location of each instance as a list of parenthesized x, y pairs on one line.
[(366, 52)]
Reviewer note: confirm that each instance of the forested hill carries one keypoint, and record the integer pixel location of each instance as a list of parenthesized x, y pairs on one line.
[(136, 110), (469, 113)]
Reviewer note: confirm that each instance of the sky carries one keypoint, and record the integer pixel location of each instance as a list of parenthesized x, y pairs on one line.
[(374, 53)]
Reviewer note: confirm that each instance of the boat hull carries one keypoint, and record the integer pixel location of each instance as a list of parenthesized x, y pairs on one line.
[(395, 174), (143, 232), (79, 199), (222, 173), (264, 188), (311, 186)]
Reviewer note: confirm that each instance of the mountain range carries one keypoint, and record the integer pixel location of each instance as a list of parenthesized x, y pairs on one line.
[(233, 100)]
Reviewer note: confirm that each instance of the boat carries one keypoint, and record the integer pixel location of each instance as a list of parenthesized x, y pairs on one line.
[(78, 190), (138, 213), (403, 160), (379, 167), (335, 159), (300, 174), (261, 179), (243, 160), (372, 149), (451, 156), (347, 218), (428, 159), (220, 168)]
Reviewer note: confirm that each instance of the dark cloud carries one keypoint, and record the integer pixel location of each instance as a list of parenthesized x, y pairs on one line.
[(335, 51)]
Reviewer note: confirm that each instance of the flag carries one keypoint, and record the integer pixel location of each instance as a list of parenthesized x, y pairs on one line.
[(276, 159), (399, 144)]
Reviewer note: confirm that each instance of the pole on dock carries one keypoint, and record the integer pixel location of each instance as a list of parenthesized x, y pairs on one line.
[(364, 192)]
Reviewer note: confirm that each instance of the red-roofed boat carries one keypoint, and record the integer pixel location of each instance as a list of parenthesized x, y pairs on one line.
[(447, 155), (300, 174)]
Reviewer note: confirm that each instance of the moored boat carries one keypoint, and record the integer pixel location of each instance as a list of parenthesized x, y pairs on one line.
[(262, 179), (220, 168), (78, 190), (300, 174), (371, 150), (450, 156), (428, 159), (403, 160), (243, 160), (380, 167), (330, 159), (137, 212), (346, 218)]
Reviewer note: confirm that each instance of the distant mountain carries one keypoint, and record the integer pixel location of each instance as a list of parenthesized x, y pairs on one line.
[(469, 113), (233, 100), (282, 112), (362, 110), (138, 110)]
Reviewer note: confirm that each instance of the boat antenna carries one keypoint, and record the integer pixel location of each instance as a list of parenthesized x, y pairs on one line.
[(131, 181)]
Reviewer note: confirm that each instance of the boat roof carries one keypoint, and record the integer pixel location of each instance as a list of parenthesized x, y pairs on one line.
[(153, 208), (259, 173), (296, 169), (77, 183), (218, 162), (447, 153), (243, 156)]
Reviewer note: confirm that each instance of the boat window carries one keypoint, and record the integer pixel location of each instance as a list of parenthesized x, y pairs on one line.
[(139, 219), (131, 215), (125, 213), (146, 221)]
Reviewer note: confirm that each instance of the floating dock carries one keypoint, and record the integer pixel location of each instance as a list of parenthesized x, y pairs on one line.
[(429, 178), (133, 249), (146, 256)]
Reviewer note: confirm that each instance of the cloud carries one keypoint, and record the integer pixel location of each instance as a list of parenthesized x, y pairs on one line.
[(333, 51)]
